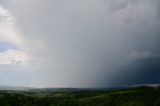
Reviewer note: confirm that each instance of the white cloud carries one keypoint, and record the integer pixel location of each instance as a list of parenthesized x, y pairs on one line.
[(8, 29), (3, 13), (13, 57)]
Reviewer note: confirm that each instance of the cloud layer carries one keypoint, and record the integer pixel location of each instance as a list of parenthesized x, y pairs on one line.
[(89, 43)]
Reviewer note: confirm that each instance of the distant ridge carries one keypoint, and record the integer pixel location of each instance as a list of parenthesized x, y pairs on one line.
[(5, 87), (55, 89), (149, 85)]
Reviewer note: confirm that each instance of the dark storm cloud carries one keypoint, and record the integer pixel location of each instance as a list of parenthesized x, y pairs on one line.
[(91, 43), (147, 72)]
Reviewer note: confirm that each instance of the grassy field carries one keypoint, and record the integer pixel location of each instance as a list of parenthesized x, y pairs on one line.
[(139, 96)]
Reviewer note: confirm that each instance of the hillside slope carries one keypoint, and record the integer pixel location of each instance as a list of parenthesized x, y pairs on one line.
[(140, 96)]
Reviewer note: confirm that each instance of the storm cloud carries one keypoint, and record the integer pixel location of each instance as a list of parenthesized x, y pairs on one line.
[(90, 43)]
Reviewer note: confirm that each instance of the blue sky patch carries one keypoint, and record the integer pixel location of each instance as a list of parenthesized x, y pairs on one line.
[(5, 46)]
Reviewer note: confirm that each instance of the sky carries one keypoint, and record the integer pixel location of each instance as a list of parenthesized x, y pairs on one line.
[(79, 43)]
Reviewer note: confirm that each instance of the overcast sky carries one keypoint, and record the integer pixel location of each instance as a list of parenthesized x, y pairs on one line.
[(79, 43)]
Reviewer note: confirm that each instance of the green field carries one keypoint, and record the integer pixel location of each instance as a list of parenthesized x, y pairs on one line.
[(139, 96)]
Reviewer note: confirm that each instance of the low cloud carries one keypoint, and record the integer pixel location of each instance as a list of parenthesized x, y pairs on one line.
[(135, 55), (10, 57)]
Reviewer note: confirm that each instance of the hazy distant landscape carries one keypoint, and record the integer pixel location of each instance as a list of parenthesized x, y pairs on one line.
[(137, 96)]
